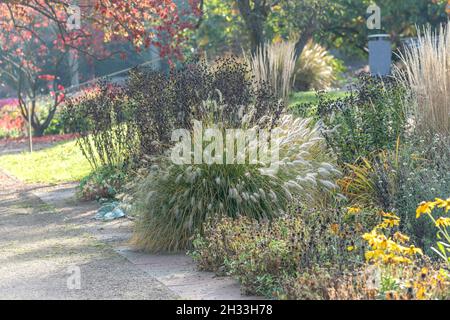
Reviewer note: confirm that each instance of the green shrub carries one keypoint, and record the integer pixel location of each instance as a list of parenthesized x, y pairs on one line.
[(398, 180), (369, 119), (264, 255), (103, 183), (56, 126), (423, 173), (101, 117)]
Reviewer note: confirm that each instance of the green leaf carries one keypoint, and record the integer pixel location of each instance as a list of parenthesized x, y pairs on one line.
[(440, 254)]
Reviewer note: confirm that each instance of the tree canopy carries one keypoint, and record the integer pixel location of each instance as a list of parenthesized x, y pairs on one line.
[(38, 38)]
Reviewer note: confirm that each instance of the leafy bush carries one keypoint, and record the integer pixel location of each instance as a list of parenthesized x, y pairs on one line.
[(258, 254), (371, 118), (173, 201), (398, 180), (101, 118), (266, 255), (123, 124), (320, 255), (316, 69), (103, 183), (56, 126), (12, 124)]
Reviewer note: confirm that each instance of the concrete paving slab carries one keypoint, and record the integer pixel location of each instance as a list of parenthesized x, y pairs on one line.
[(175, 271)]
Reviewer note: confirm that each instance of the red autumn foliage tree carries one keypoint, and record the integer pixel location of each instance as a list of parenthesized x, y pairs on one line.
[(37, 36)]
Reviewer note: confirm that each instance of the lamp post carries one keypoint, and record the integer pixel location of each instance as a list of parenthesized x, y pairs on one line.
[(380, 54), (30, 130)]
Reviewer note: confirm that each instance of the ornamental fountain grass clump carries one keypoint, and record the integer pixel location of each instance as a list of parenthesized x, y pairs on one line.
[(172, 202)]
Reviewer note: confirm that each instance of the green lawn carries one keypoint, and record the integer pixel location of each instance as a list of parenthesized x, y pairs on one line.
[(63, 162), (310, 96), (298, 99)]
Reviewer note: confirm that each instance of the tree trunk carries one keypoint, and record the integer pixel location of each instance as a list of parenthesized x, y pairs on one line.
[(254, 21), (301, 43), (38, 131)]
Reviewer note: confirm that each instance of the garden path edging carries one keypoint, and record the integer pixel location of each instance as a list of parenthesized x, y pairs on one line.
[(176, 271)]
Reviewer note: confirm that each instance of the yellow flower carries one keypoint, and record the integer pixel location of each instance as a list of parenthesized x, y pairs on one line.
[(374, 255), (353, 210), (335, 228), (350, 248), (420, 294), (394, 247), (393, 259), (443, 222), (401, 260), (370, 237), (389, 215), (424, 271), (445, 204), (412, 250), (424, 208), (401, 237), (389, 223), (382, 242)]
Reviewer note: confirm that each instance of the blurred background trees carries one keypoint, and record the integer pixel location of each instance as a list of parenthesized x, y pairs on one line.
[(41, 58), (229, 25)]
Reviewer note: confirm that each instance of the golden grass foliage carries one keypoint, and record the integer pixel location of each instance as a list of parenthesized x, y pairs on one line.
[(426, 70), (314, 69), (274, 63)]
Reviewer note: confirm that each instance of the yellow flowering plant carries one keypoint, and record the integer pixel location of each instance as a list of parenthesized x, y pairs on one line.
[(404, 271), (442, 223), (387, 249), (355, 220)]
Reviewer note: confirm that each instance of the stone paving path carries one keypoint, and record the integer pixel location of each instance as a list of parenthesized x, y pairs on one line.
[(41, 249), (44, 230)]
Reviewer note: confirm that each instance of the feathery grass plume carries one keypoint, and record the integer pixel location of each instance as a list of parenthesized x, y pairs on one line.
[(305, 163), (170, 213), (274, 63), (173, 202), (315, 69), (426, 70)]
